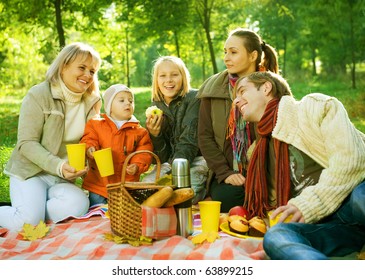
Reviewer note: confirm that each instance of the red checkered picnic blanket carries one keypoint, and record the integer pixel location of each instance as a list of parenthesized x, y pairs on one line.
[(84, 239)]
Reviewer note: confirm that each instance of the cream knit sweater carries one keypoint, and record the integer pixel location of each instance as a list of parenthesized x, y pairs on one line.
[(319, 126)]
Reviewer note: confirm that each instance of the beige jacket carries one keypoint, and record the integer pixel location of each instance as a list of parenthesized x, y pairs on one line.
[(40, 131), (319, 126)]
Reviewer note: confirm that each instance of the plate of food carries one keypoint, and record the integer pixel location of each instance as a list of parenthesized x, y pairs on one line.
[(239, 227)]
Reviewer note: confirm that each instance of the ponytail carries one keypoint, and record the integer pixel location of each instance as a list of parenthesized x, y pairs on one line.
[(270, 60)]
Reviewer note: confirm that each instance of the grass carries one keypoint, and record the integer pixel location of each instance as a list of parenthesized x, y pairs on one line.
[(353, 100)]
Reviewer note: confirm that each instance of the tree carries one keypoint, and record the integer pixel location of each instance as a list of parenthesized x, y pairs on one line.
[(204, 10)]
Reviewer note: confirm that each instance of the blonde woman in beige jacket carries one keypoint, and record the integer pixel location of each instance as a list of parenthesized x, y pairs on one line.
[(53, 114)]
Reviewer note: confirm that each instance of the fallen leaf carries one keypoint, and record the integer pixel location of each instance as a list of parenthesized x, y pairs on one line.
[(165, 180), (32, 233), (212, 236), (142, 240), (204, 236)]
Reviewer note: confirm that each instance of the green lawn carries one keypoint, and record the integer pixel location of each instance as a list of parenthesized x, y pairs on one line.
[(10, 100)]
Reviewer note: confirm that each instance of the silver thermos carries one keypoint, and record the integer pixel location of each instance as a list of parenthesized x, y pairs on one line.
[(184, 211)]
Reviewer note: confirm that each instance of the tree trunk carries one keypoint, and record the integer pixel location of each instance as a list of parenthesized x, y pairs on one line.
[(60, 31), (127, 56), (211, 50), (176, 37), (284, 58), (352, 44), (204, 11)]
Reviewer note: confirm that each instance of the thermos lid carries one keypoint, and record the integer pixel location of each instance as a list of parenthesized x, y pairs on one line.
[(181, 172), (180, 167)]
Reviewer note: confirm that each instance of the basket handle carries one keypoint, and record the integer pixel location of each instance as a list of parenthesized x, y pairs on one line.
[(158, 163)]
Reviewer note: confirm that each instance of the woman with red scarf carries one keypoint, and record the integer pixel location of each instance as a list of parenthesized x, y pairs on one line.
[(223, 141), (307, 164)]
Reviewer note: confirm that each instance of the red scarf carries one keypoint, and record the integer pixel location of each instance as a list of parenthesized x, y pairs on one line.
[(256, 196)]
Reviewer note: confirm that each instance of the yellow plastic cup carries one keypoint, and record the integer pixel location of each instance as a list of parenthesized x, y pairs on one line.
[(76, 155), (104, 161), (209, 215), (273, 222)]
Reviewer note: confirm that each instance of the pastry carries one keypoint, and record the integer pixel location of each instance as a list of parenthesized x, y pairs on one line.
[(257, 227), (238, 224)]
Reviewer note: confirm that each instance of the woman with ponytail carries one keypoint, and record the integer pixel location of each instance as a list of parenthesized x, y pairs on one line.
[(223, 137)]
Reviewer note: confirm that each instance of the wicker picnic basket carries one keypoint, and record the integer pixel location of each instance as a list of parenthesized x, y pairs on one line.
[(124, 211)]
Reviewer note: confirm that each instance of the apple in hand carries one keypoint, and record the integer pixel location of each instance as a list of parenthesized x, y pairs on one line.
[(239, 210)]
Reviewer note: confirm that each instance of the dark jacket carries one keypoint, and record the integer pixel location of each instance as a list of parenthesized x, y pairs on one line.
[(178, 137), (215, 107)]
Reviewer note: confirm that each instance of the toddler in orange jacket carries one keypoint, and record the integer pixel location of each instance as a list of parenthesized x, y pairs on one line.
[(119, 130)]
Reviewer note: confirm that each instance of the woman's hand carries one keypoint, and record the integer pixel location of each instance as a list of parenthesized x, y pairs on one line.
[(153, 124), (70, 173), (90, 152), (286, 211), (132, 169), (235, 179)]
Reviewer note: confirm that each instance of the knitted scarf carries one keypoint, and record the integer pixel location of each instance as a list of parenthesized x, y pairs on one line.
[(256, 190), (239, 133)]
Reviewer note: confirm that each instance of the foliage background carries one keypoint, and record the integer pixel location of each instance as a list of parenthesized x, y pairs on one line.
[(320, 45)]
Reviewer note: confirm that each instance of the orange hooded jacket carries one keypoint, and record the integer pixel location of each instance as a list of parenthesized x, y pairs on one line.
[(102, 133)]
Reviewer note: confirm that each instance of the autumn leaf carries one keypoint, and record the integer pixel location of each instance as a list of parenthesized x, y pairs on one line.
[(165, 180), (361, 255), (212, 236), (142, 240), (32, 233), (205, 236)]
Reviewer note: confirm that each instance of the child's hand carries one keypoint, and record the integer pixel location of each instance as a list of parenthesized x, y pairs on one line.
[(90, 151), (132, 169), (153, 124)]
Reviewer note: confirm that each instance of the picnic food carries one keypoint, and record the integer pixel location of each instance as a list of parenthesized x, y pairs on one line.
[(257, 227), (141, 195), (238, 210), (159, 198), (238, 224), (179, 196), (223, 218), (153, 110)]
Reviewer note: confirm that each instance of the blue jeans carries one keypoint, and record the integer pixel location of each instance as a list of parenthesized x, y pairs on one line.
[(338, 235), (97, 199)]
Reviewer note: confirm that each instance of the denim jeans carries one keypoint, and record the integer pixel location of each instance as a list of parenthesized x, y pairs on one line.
[(335, 236), (96, 199)]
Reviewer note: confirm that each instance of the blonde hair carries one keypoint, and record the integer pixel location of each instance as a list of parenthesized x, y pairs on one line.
[(67, 55), (156, 93)]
